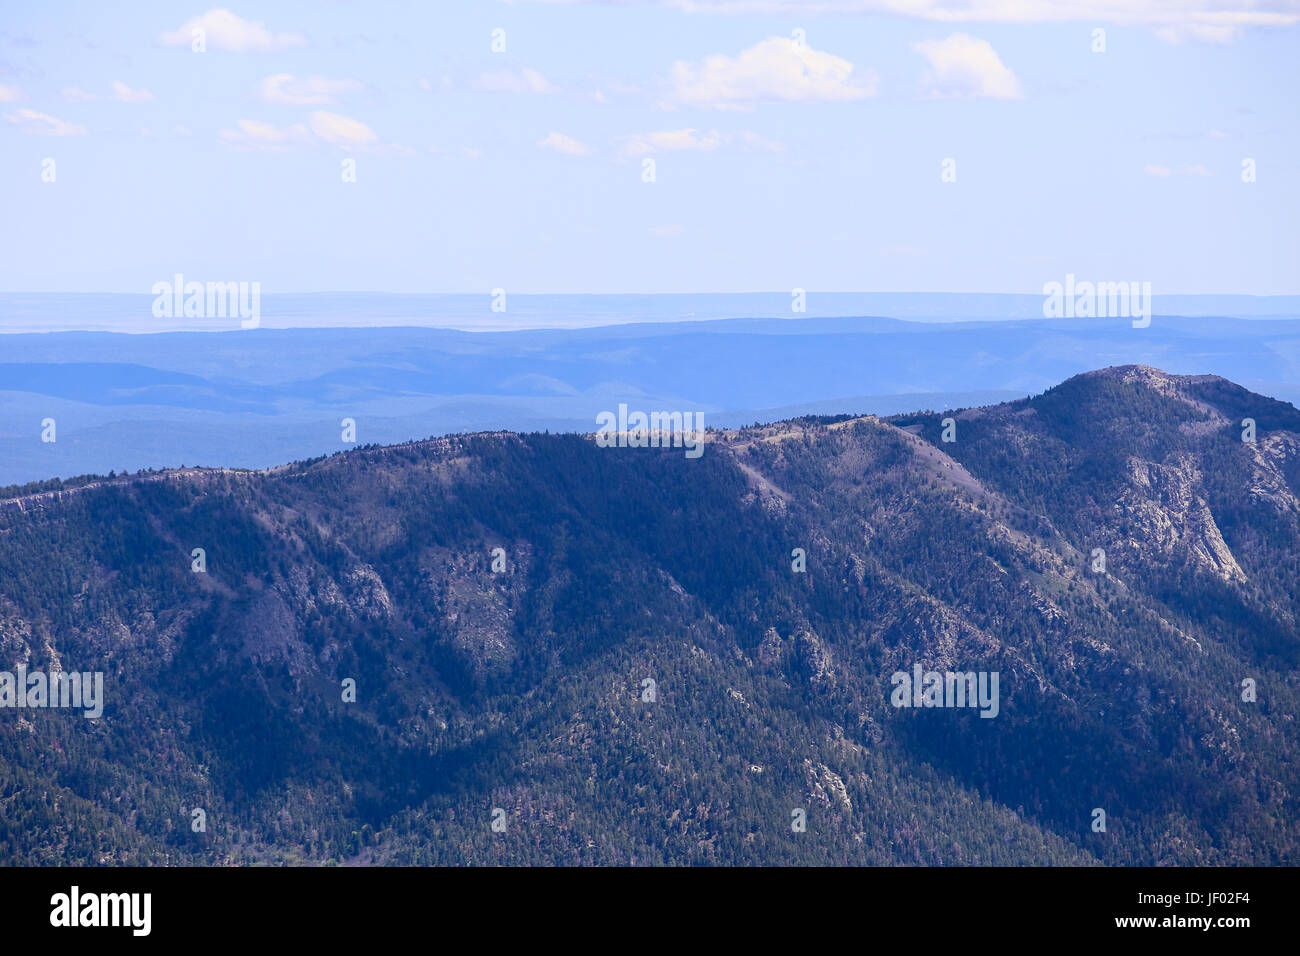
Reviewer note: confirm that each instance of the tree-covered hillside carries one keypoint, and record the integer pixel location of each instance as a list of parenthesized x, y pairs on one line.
[(646, 672)]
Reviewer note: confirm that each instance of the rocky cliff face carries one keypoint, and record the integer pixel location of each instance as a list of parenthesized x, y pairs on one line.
[(619, 649)]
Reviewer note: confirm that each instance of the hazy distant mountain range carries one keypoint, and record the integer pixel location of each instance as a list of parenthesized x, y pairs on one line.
[(255, 398), (125, 312), (560, 652)]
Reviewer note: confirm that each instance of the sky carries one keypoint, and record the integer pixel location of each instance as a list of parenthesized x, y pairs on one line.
[(848, 145)]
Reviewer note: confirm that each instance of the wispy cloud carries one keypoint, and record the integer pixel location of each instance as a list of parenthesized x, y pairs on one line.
[(512, 81), (42, 124), (10, 94), (287, 89), (1215, 21), (254, 134), (117, 90), (666, 141), (1165, 172), (691, 140), (124, 94), (321, 128), (1206, 32)]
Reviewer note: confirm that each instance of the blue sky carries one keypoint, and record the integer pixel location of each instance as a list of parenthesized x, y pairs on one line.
[(779, 162)]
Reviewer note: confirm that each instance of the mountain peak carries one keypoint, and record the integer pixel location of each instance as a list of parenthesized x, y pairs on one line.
[(1144, 374)]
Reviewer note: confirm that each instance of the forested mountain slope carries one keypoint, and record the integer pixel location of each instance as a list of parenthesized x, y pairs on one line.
[(521, 694)]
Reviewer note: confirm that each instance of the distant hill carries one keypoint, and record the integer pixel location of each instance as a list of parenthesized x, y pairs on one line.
[(133, 312), (647, 679), (257, 398)]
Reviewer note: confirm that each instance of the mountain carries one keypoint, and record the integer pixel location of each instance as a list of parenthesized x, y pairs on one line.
[(134, 312), (258, 398), (647, 679)]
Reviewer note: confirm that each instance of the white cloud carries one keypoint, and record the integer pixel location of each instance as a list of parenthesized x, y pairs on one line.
[(1174, 20), (775, 69), (965, 66), (666, 232), (254, 134), (507, 81), (117, 90), (224, 30), (124, 94), (689, 140), (1209, 32), (10, 94), (564, 144), (676, 140), (321, 127), (341, 130), (304, 91), (41, 124)]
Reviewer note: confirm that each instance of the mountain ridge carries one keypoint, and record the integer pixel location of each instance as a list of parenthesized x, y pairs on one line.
[(523, 689)]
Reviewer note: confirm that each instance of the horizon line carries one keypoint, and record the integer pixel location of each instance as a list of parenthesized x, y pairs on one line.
[(777, 292)]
